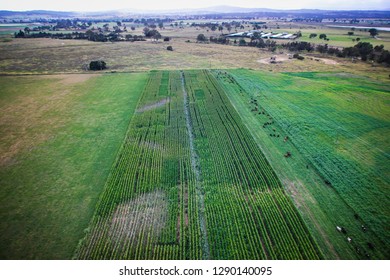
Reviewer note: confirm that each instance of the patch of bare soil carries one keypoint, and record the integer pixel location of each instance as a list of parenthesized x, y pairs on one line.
[(153, 105), (274, 59), (7, 156), (70, 79), (326, 61), (143, 216)]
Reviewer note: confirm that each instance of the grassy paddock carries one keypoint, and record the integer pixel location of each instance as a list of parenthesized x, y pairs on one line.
[(70, 56), (59, 137), (338, 37)]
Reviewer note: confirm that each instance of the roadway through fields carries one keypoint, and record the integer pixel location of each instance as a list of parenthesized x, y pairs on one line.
[(196, 169)]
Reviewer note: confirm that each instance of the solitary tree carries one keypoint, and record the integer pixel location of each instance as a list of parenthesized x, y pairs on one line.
[(323, 36), (201, 38), (373, 32), (350, 33), (97, 65), (312, 35)]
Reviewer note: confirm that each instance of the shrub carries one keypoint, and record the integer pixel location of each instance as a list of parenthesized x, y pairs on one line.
[(298, 56), (322, 36), (97, 65), (169, 48), (242, 42)]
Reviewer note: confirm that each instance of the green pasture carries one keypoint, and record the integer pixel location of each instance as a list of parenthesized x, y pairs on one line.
[(59, 137), (339, 37)]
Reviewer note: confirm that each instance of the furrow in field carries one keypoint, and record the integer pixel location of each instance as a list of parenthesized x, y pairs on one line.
[(196, 170)]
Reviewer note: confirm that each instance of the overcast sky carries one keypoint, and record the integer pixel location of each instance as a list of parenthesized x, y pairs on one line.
[(99, 5)]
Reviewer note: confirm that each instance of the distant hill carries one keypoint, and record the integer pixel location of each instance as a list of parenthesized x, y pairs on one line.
[(222, 10), (43, 13)]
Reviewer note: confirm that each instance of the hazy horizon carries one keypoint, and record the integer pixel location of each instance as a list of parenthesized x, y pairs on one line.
[(153, 5)]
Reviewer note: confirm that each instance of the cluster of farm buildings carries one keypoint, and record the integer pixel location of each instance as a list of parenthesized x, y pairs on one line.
[(264, 35)]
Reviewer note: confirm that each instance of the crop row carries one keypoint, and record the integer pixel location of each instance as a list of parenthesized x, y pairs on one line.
[(336, 136), (170, 198), (338, 128), (246, 207), (148, 208)]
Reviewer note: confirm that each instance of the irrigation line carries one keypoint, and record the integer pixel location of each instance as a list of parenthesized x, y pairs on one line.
[(195, 167)]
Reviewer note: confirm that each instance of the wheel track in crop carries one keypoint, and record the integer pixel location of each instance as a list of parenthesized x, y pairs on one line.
[(196, 170)]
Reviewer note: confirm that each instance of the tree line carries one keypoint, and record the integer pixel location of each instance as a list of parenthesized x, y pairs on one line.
[(89, 35), (363, 50)]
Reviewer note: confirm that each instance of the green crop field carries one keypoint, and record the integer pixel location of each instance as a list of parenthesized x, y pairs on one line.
[(190, 183), (337, 126)]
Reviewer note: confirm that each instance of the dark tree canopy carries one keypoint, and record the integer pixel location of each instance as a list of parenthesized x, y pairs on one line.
[(152, 33), (322, 36), (373, 32), (97, 65), (201, 38)]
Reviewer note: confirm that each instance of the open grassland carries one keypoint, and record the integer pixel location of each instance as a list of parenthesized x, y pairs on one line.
[(190, 183), (29, 56), (339, 37), (337, 126), (59, 135)]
